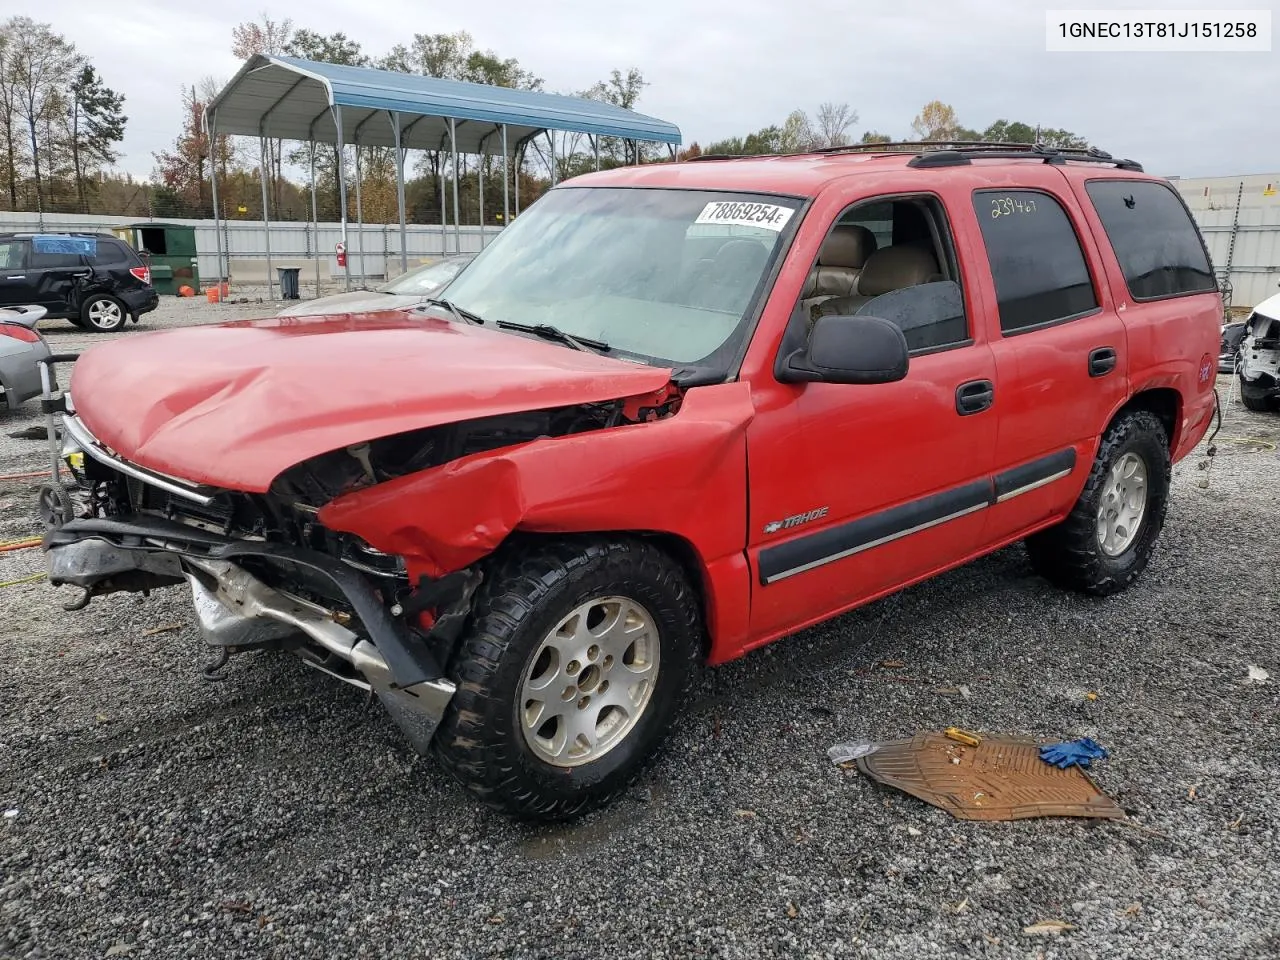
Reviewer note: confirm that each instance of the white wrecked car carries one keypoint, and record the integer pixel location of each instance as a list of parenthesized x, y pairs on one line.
[(1260, 357)]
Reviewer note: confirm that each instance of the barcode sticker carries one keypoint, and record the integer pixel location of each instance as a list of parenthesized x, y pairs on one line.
[(767, 215)]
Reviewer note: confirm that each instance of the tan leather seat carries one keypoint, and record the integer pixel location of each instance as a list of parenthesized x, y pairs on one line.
[(840, 262), (889, 269)]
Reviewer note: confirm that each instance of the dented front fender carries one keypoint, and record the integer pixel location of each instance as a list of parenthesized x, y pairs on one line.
[(684, 475)]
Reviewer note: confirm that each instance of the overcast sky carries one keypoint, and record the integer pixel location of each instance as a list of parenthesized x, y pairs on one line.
[(722, 67)]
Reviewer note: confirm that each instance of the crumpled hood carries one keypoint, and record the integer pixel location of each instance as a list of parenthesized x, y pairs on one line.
[(1269, 308), (234, 405)]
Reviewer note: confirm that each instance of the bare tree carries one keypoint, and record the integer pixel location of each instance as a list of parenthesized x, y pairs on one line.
[(832, 124), (9, 118), (270, 37), (263, 36), (37, 67)]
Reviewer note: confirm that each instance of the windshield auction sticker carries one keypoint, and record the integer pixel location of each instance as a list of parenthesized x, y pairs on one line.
[(767, 215)]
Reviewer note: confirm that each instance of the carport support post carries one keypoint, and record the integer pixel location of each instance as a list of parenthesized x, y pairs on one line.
[(315, 217), (211, 122), (263, 166), (444, 209), (506, 180), (595, 148), (342, 188), (457, 213), (404, 253), (480, 174), (359, 211), (551, 139)]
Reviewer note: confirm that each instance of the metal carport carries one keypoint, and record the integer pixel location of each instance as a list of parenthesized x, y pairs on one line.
[(290, 99)]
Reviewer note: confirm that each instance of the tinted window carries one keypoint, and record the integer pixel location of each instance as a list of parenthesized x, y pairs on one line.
[(11, 254), (1154, 238), (109, 253), (40, 259), (1036, 261)]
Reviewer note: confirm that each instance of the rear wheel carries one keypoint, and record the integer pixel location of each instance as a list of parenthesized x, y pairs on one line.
[(577, 658), (103, 313), (1107, 540)]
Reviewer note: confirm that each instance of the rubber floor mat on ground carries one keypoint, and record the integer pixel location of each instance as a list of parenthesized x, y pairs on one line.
[(1003, 778)]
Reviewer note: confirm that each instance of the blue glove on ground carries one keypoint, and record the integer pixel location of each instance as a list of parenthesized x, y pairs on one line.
[(1080, 752)]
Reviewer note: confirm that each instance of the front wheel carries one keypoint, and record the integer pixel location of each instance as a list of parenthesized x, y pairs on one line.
[(1259, 401), (103, 314), (577, 658), (1106, 541)]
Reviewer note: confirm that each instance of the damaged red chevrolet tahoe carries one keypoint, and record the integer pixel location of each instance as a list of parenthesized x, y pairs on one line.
[(669, 415)]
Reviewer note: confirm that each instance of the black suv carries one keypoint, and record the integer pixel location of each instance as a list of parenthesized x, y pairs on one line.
[(95, 280)]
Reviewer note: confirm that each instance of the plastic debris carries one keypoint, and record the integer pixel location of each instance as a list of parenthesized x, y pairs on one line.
[(963, 736), (10, 814), (1081, 753), (1257, 675), (848, 752)]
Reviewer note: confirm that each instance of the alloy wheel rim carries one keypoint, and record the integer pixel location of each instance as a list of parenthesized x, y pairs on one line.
[(1123, 505), (105, 313), (589, 682)]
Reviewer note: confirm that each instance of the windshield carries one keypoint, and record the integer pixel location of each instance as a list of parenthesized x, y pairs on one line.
[(427, 279), (666, 275)]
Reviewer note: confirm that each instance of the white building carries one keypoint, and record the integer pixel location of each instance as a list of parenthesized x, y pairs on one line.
[(1240, 220)]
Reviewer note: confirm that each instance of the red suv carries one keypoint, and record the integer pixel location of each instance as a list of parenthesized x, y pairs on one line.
[(671, 414)]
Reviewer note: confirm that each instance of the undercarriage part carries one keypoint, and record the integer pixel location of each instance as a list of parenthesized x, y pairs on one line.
[(237, 611), (140, 551)]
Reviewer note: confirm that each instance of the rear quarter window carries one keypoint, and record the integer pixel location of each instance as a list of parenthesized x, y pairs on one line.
[(1160, 251), (110, 253)]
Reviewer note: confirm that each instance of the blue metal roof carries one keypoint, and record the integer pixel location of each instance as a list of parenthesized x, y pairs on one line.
[(290, 98)]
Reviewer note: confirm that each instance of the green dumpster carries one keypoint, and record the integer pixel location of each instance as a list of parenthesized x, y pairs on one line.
[(162, 278), (170, 251)]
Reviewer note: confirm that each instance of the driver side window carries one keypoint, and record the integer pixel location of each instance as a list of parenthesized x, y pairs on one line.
[(892, 258)]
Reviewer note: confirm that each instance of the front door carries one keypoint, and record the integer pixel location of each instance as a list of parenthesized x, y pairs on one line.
[(857, 490), (17, 287)]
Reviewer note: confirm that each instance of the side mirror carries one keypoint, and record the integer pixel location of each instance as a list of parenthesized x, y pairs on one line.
[(849, 350)]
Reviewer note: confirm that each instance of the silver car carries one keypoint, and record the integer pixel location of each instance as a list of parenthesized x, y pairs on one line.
[(21, 349), (407, 290)]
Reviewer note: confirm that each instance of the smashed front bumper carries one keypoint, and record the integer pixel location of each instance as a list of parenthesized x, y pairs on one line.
[(238, 611)]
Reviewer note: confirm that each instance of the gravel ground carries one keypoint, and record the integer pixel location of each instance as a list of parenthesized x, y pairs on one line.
[(147, 813)]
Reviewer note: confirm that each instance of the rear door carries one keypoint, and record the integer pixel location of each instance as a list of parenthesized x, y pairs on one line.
[(1060, 348), (54, 265), (17, 287)]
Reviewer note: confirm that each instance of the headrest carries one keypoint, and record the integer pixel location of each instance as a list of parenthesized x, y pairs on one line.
[(895, 267), (848, 245)]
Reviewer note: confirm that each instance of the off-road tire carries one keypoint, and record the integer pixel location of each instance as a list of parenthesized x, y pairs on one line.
[(1257, 402), (528, 588), (1068, 554), (119, 320)]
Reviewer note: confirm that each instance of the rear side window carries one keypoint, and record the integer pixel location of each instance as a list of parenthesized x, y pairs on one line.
[(42, 259), (57, 250), (1038, 268), (109, 253), (1155, 239), (11, 254)]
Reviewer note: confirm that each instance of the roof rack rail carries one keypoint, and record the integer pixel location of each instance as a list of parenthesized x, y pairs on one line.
[(948, 153), (725, 156)]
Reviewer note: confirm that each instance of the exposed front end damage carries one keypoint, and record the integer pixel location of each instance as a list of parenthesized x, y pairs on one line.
[(1259, 359), (356, 639), (267, 573)]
